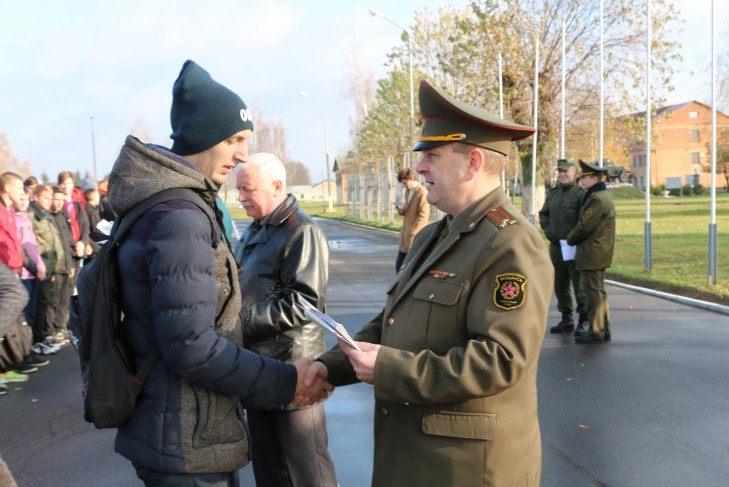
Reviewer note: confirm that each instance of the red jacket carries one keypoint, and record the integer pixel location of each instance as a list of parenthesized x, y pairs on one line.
[(10, 251)]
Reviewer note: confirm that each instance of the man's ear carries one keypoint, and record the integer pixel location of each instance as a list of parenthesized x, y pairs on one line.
[(277, 187), (476, 161)]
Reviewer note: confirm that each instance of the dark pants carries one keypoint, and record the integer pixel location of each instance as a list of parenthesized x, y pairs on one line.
[(31, 285), (155, 478), (567, 282), (598, 310), (60, 296), (45, 310), (400, 259), (289, 448)]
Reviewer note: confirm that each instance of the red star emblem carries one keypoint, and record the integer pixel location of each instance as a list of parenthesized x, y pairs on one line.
[(510, 291)]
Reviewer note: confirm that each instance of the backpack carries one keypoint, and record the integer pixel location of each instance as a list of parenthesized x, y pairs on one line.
[(110, 380)]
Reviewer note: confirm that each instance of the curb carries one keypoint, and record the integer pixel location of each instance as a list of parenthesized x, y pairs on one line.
[(718, 308)]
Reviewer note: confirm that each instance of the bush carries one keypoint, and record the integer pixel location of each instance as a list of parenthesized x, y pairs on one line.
[(674, 192), (699, 189), (657, 190), (688, 190)]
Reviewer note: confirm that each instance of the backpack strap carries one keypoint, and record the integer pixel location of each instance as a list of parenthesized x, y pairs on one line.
[(123, 225)]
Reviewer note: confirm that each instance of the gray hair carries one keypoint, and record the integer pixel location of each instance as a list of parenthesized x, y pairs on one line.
[(269, 164)]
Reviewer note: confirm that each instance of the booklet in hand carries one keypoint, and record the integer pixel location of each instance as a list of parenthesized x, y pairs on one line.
[(325, 321)]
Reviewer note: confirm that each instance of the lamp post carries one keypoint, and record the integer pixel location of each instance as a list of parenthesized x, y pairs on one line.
[(93, 147), (377, 13), (326, 139)]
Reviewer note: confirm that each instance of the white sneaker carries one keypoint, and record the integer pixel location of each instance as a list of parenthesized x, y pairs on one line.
[(42, 348)]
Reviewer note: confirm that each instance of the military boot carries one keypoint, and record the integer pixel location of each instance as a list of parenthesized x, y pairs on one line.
[(564, 326), (583, 327)]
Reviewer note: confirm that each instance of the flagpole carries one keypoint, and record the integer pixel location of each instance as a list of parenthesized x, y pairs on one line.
[(648, 231)]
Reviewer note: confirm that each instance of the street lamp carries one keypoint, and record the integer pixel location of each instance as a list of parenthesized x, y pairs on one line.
[(93, 147), (377, 13), (326, 139)]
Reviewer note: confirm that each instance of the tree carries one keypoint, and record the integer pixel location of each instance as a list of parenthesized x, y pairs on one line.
[(8, 162), (297, 173), (458, 50)]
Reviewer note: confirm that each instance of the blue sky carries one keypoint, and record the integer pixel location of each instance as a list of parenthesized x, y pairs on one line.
[(63, 61)]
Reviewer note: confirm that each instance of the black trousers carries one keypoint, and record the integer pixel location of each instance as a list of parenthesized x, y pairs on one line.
[(289, 448), (46, 307)]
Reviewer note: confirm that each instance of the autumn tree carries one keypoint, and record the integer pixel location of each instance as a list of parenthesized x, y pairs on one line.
[(297, 173), (8, 162)]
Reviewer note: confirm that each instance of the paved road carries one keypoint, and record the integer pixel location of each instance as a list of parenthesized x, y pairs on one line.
[(648, 409)]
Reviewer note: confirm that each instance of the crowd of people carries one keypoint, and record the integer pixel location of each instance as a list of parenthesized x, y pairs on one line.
[(45, 237)]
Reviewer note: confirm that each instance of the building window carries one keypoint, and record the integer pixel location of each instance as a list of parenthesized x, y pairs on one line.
[(694, 114), (696, 158), (694, 135)]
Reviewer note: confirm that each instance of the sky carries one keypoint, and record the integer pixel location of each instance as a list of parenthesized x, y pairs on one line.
[(75, 69)]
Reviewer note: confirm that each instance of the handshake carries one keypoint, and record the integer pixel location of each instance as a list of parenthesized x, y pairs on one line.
[(311, 384)]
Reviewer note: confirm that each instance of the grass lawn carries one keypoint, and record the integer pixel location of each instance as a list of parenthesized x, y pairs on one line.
[(680, 229)]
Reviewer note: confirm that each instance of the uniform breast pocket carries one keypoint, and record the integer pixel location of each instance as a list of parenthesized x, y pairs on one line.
[(432, 322)]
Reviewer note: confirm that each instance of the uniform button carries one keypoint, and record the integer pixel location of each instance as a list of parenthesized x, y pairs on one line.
[(391, 321), (431, 296), (247, 251), (226, 291), (406, 403), (385, 412), (471, 225)]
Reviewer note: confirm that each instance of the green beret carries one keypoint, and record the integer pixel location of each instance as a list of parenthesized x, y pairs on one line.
[(565, 164), (447, 120)]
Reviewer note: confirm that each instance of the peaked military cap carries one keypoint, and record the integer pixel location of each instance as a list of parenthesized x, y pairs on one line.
[(565, 164), (591, 169), (447, 120)]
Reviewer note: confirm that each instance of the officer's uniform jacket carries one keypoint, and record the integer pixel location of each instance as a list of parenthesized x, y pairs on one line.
[(561, 211), (455, 381), (415, 212), (594, 234)]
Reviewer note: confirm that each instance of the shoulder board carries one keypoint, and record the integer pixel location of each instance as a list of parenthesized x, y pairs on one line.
[(500, 218)]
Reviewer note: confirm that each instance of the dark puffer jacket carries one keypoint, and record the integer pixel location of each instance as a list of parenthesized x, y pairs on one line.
[(288, 256), (180, 293)]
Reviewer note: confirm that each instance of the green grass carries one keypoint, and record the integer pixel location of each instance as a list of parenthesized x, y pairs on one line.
[(680, 241)]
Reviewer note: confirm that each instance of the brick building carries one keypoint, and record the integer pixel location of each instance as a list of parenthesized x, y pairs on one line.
[(681, 146)]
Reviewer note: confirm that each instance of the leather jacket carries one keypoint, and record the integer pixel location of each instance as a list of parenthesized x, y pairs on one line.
[(288, 256)]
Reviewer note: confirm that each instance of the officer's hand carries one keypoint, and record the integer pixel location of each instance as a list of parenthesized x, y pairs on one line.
[(362, 362)]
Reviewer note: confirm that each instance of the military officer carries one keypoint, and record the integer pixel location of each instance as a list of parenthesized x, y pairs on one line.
[(557, 217), (594, 236), (453, 355)]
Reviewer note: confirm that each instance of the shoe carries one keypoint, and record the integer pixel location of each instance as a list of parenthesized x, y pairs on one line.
[(564, 326), (3, 389), (37, 360), (583, 328), (42, 348), (588, 339), (13, 376), (25, 367), (51, 342), (607, 338)]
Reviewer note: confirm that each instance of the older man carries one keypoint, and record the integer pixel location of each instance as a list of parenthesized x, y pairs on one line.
[(453, 355), (557, 217), (284, 255), (181, 299)]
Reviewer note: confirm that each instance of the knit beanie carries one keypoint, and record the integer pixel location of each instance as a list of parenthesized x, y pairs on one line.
[(204, 112)]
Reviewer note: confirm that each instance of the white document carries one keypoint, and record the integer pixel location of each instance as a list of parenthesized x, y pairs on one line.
[(325, 321), (568, 251)]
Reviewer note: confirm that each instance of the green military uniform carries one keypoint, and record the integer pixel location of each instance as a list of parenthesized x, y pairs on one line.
[(557, 217), (461, 331), (594, 236)]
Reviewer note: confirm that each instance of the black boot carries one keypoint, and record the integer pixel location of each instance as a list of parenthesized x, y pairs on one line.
[(564, 326), (583, 327)]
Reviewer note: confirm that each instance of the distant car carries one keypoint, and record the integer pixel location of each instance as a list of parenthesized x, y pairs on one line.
[(615, 172)]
